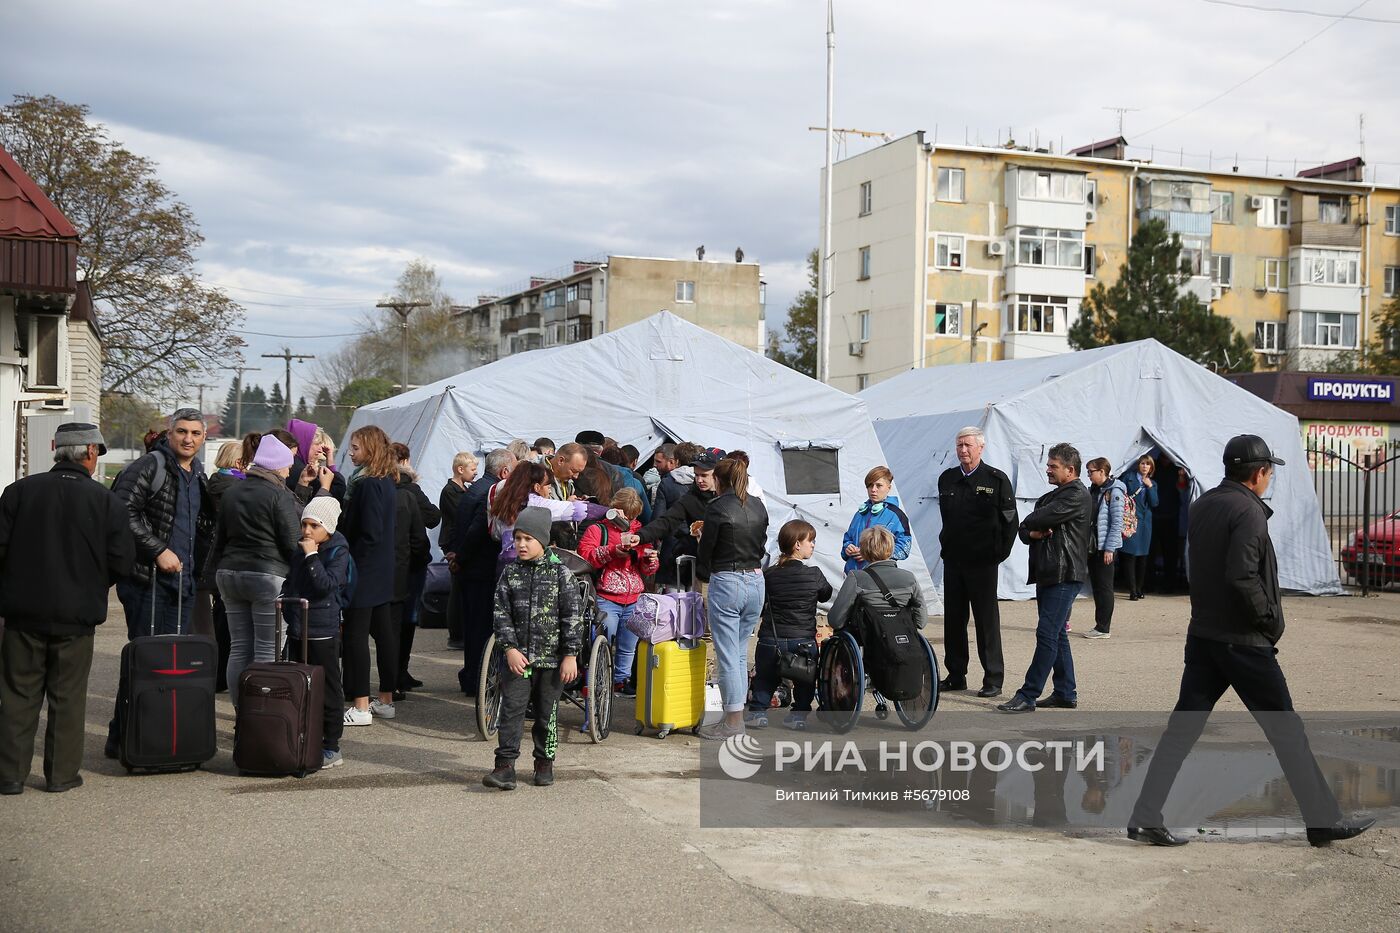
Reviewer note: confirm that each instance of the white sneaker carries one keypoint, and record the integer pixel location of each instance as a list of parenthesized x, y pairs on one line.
[(1093, 633), (354, 716), (381, 709)]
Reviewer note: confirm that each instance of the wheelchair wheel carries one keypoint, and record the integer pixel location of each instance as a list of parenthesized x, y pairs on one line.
[(488, 691), (840, 682), (597, 689), (916, 713)]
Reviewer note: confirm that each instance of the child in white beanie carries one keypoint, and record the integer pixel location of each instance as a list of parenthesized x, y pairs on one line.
[(323, 573)]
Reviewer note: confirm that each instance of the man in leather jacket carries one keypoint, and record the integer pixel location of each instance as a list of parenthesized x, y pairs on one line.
[(1058, 534)]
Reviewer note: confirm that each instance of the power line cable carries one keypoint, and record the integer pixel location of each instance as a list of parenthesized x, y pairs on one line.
[(1239, 84), (1282, 9)]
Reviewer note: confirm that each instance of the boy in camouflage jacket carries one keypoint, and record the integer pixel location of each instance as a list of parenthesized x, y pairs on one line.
[(539, 628)]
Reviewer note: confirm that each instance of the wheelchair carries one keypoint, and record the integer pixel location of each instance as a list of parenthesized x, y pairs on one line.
[(592, 692), (842, 685)]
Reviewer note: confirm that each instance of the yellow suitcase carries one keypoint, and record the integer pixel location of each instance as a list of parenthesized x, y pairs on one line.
[(670, 686)]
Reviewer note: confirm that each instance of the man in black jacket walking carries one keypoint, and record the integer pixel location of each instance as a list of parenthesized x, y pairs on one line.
[(978, 507), (64, 541), (1236, 620), (1058, 532)]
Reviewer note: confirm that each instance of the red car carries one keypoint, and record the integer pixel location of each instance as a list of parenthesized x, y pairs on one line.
[(1384, 556)]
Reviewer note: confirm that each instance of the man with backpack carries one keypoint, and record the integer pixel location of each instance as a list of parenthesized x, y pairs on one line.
[(171, 516)]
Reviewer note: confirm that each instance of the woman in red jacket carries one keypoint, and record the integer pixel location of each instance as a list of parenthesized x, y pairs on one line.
[(620, 582)]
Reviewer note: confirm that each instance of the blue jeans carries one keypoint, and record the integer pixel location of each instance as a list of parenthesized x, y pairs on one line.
[(172, 612), (765, 673), (1053, 603), (614, 618), (250, 600), (736, 602)]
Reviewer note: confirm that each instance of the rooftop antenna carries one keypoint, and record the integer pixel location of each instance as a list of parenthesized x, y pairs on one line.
[(824, 266), (1120, 111)]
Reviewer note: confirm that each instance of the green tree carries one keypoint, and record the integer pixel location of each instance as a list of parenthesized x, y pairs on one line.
[(1148, 301), (362, 392), (276, 408), (798, 348), (126, 419), (326, 415), (160, 323), (302, 413), (1381, 354)]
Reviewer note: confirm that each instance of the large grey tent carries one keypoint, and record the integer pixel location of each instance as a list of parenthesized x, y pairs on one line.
[(1115, 402), (810, 444)]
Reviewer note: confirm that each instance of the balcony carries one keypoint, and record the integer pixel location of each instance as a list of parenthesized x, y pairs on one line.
[(1317, 233), (522, 322)]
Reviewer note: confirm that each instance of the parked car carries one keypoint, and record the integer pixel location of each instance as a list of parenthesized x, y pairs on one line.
[(1384, 555)]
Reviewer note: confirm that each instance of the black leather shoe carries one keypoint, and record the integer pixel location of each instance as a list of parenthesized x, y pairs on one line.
[(1346, 829), (987, 692), (1055, 701), (66, 785), (1017, 705), (948, 684), (111, 749), (409, 682), (10, 788), (503, 777), (1155, 835)]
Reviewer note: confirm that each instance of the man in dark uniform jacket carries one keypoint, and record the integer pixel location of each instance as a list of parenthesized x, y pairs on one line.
[(64, 540), (979, 528), (1236, 620)]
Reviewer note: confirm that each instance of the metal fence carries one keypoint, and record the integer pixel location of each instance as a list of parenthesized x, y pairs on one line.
[(1358, 487)]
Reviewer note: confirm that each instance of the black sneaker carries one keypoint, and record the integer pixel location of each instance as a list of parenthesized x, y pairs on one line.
[(409, 682), (503, 777), (544, 773)]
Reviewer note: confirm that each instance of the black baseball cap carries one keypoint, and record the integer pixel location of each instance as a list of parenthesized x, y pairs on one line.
[(705, 462), (1249, 448)]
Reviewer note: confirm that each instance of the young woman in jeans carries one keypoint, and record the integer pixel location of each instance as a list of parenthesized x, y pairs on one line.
[(369, 524), (732, 543), (259, 526), (789, 624)]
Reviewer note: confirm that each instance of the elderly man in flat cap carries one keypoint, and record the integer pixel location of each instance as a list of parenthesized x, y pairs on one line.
[(64, 540)]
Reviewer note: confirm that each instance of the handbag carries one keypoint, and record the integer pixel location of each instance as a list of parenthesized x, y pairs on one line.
[(799, 666)]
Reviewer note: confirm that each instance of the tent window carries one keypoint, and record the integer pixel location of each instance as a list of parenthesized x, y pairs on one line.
[(813, 471)]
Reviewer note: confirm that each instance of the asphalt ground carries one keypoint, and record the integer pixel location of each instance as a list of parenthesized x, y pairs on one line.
[(403, 836)]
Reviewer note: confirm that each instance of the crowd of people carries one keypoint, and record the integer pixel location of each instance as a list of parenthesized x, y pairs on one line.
[(277, 525)]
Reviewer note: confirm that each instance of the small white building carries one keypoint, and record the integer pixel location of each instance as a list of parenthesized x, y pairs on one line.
[(38, 289)]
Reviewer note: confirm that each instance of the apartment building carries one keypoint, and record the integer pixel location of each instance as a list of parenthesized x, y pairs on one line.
[(950, 254), (600, 295)]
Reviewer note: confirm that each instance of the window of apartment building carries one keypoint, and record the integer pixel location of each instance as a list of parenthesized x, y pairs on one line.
[(1392, 281), (571, 294), (552, 298), (1392, 219), (763, 293), (1091, 260), (948, 251), (866, 201), (1222, 271), (1332, 329), (1051, 186), (947, 320), (864, 262), (1039, 314), (950, 184), (1222, 207), (1268, 336), (685, 292), (1272, 275), (1274, 213), (1325, 267), (1333, 210), (863, 320), (1062, 249), (1195, 255), (1161, 194), (862, 382), (1091, 193)]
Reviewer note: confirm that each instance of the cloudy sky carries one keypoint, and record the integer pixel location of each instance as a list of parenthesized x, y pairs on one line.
[(322, 145)]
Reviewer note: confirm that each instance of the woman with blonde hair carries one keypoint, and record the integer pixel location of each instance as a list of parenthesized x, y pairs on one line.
[(369, 524), (733, 540)]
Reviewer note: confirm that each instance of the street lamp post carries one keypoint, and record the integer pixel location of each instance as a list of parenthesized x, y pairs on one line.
[(403, 309)]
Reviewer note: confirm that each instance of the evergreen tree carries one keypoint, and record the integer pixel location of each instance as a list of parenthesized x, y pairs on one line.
[(362, 392), (276, 407), (302, 414), (798, 348), (325, 414), (1148, 301), (255, 416), (228, 413)]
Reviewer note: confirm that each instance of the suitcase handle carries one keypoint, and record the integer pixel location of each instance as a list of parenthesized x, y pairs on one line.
[(305, 629), (179, 601), (686, 559)]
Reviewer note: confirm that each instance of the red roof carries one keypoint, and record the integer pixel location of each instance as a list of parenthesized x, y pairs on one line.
[(24, 209), (1332, 168)]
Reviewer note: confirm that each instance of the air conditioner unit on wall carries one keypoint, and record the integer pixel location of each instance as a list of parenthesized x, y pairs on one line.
[(857, 348), (1254, 203), (996, 248)]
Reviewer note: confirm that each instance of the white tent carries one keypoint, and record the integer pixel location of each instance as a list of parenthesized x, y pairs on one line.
[(1115, 402), (810, 445)]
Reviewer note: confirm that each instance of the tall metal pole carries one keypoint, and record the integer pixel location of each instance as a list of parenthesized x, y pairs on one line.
[(238, 372), (824, 263), (403, 309), (287, 356)]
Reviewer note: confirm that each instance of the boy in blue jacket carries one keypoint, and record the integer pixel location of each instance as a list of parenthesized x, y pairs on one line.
[(880, 509), (318, 575)]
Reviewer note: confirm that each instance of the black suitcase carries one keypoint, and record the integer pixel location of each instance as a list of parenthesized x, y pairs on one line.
[(280, 704), (167, 710)]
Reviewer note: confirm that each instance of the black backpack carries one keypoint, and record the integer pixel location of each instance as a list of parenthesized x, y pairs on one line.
[(892, 646)]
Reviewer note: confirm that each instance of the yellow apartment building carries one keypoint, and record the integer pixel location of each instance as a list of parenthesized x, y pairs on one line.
[(950, 254)]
